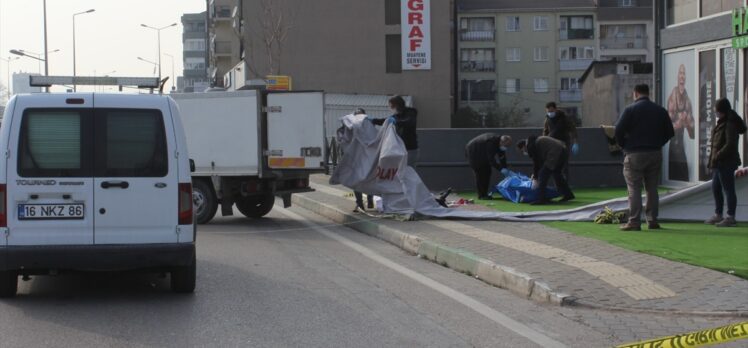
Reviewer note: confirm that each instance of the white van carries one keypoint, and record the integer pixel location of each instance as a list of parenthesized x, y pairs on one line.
[(95, 182)]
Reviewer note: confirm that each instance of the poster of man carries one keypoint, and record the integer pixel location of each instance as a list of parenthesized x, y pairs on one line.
[(680, 109)]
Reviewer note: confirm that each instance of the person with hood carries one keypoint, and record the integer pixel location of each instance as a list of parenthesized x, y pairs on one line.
[(359, 195), (724, 161), (549, 158), (405, 120), (484, 152)]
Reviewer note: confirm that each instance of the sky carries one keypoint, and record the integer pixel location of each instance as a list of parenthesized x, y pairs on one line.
[(109, 39)]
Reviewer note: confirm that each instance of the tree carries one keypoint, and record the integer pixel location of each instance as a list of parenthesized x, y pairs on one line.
[(268, 32), (491, 116)]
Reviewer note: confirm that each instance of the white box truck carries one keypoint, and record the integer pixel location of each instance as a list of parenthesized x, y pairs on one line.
[(249, 146)]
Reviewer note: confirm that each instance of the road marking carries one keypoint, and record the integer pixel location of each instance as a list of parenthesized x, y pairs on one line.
[(632, 284), (486, 311)]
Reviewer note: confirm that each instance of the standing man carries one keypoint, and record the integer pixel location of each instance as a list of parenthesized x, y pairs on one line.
[(360, 112), (549, 158), (642, 130), (560, 126), (484, 152), (405, 120)]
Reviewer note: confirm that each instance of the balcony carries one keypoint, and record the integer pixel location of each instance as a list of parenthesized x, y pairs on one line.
[(222, 13), (478, 66), (570, 95), (222, 49), (574, 64), (477, 35), (576, 34), (622, 43)]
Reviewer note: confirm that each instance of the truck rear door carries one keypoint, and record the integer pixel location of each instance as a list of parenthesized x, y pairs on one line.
[(50, 171), (296, 130)]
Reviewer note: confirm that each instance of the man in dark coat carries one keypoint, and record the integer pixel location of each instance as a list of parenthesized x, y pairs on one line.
[(559, 125), (405, 120), (549, 158), (484, 152)]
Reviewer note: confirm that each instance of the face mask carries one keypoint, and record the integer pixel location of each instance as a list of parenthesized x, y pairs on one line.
[(551, 114), (524, 152), (502, 148), (394, 111)]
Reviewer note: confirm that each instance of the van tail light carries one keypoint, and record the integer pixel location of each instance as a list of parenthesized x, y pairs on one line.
[(185, 204), (3, 206)]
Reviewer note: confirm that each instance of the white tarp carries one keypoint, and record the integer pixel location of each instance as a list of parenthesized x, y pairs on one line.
[(375, 161)]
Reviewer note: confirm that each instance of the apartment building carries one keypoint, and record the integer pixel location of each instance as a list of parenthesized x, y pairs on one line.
[(224, 38), (514, 57), (194, 38)]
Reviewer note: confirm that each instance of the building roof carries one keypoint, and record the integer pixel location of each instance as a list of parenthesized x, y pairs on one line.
[(527, 5)]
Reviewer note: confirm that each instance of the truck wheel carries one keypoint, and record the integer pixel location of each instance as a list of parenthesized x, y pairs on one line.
[(183, 278), (8, 283), (205, 201), (255, 207)]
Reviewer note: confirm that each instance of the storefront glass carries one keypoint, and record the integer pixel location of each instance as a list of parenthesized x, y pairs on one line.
[(679, 89)]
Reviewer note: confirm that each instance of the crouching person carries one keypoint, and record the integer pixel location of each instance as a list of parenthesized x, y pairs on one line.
[(549, 158), (484, 152)]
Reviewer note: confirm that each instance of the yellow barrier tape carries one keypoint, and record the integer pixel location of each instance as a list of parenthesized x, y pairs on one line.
[(727, 333)]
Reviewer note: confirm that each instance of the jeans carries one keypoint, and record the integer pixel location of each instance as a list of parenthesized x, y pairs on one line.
[(643, 168), (723, 181), (545, 174)]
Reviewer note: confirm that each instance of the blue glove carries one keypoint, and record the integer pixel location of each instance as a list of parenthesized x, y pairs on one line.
[(575, 149), (370, 119), (391, 120), (506, 172)]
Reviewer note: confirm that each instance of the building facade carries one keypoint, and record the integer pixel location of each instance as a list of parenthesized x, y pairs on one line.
[(348, 47), (194, 39), (514, 57), (701, 58), (224, 38), (607, 89)]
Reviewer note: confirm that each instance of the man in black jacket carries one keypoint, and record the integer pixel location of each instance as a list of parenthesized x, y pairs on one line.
[(549, 158), (642, 130), (405, 120), (484, 152)]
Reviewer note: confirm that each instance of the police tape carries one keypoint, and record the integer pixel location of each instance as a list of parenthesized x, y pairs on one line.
[(723, 334)]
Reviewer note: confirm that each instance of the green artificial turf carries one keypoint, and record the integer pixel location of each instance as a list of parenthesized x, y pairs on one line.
[(584, 197), (722, 249)]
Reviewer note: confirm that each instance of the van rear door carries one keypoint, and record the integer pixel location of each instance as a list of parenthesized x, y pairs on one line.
[(136, 183), (50, 171), (296, 130)]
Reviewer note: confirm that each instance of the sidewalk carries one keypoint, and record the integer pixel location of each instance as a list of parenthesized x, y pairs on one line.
[(546, 264)]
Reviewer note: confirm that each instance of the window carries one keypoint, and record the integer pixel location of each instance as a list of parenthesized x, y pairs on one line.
[(540, 54), (626, 3), (51, 144), (392, 12), (710, 7), (478, 90), (193, 63), (569, 83), (541, 85), (540, 23), (394, 53), (194, 27), (477, 60), (589, 53), (477, 29), (571, 53), (576, 28), (194, 45), (512, 23), (512, 86), (679, 11), (134, 143), (513, 54)]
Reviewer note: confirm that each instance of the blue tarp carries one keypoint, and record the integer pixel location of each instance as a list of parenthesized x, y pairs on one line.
[(517, 188)]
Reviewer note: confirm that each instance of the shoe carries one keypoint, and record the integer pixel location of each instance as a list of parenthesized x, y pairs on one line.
[(543, 202), (654, 226), (729, 221), (359, 208), (716, 218), (566, 198), (630, 227)]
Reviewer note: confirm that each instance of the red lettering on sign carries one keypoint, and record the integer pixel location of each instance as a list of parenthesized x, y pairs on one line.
[(415, 44), (415, 5), (415, 32), (415, 18), (386, 174)]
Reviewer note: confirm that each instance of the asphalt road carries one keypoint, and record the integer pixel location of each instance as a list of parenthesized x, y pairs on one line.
[(293, 280)]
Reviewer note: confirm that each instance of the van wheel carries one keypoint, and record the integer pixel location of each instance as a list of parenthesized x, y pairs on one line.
[(205, 202), (8, 283), (183, 278), (255, 207)]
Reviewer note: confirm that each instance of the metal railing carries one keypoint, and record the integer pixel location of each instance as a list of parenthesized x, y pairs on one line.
[(625, 42), (478, 35), (223, 48), (478, 66), (576, 34)]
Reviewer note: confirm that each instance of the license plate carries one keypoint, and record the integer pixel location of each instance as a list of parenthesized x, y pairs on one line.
[(50, 211)]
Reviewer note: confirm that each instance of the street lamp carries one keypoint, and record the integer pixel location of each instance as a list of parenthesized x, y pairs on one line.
[(8, 60), (158, 31), (38, 56), (150, 62), (76, 14), (173, 78)]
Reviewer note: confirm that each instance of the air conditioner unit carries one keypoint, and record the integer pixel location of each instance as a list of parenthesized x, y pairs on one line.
[(623, 69)]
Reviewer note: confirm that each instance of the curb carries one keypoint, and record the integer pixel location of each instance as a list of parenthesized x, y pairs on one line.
[(459, 260)]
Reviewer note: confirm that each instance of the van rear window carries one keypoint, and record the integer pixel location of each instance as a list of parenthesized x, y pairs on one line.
[(133, 143), (51, 145)]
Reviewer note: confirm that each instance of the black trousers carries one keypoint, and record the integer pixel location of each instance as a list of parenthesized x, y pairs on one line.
[(559, 178), (360, 199), (482, 179)]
